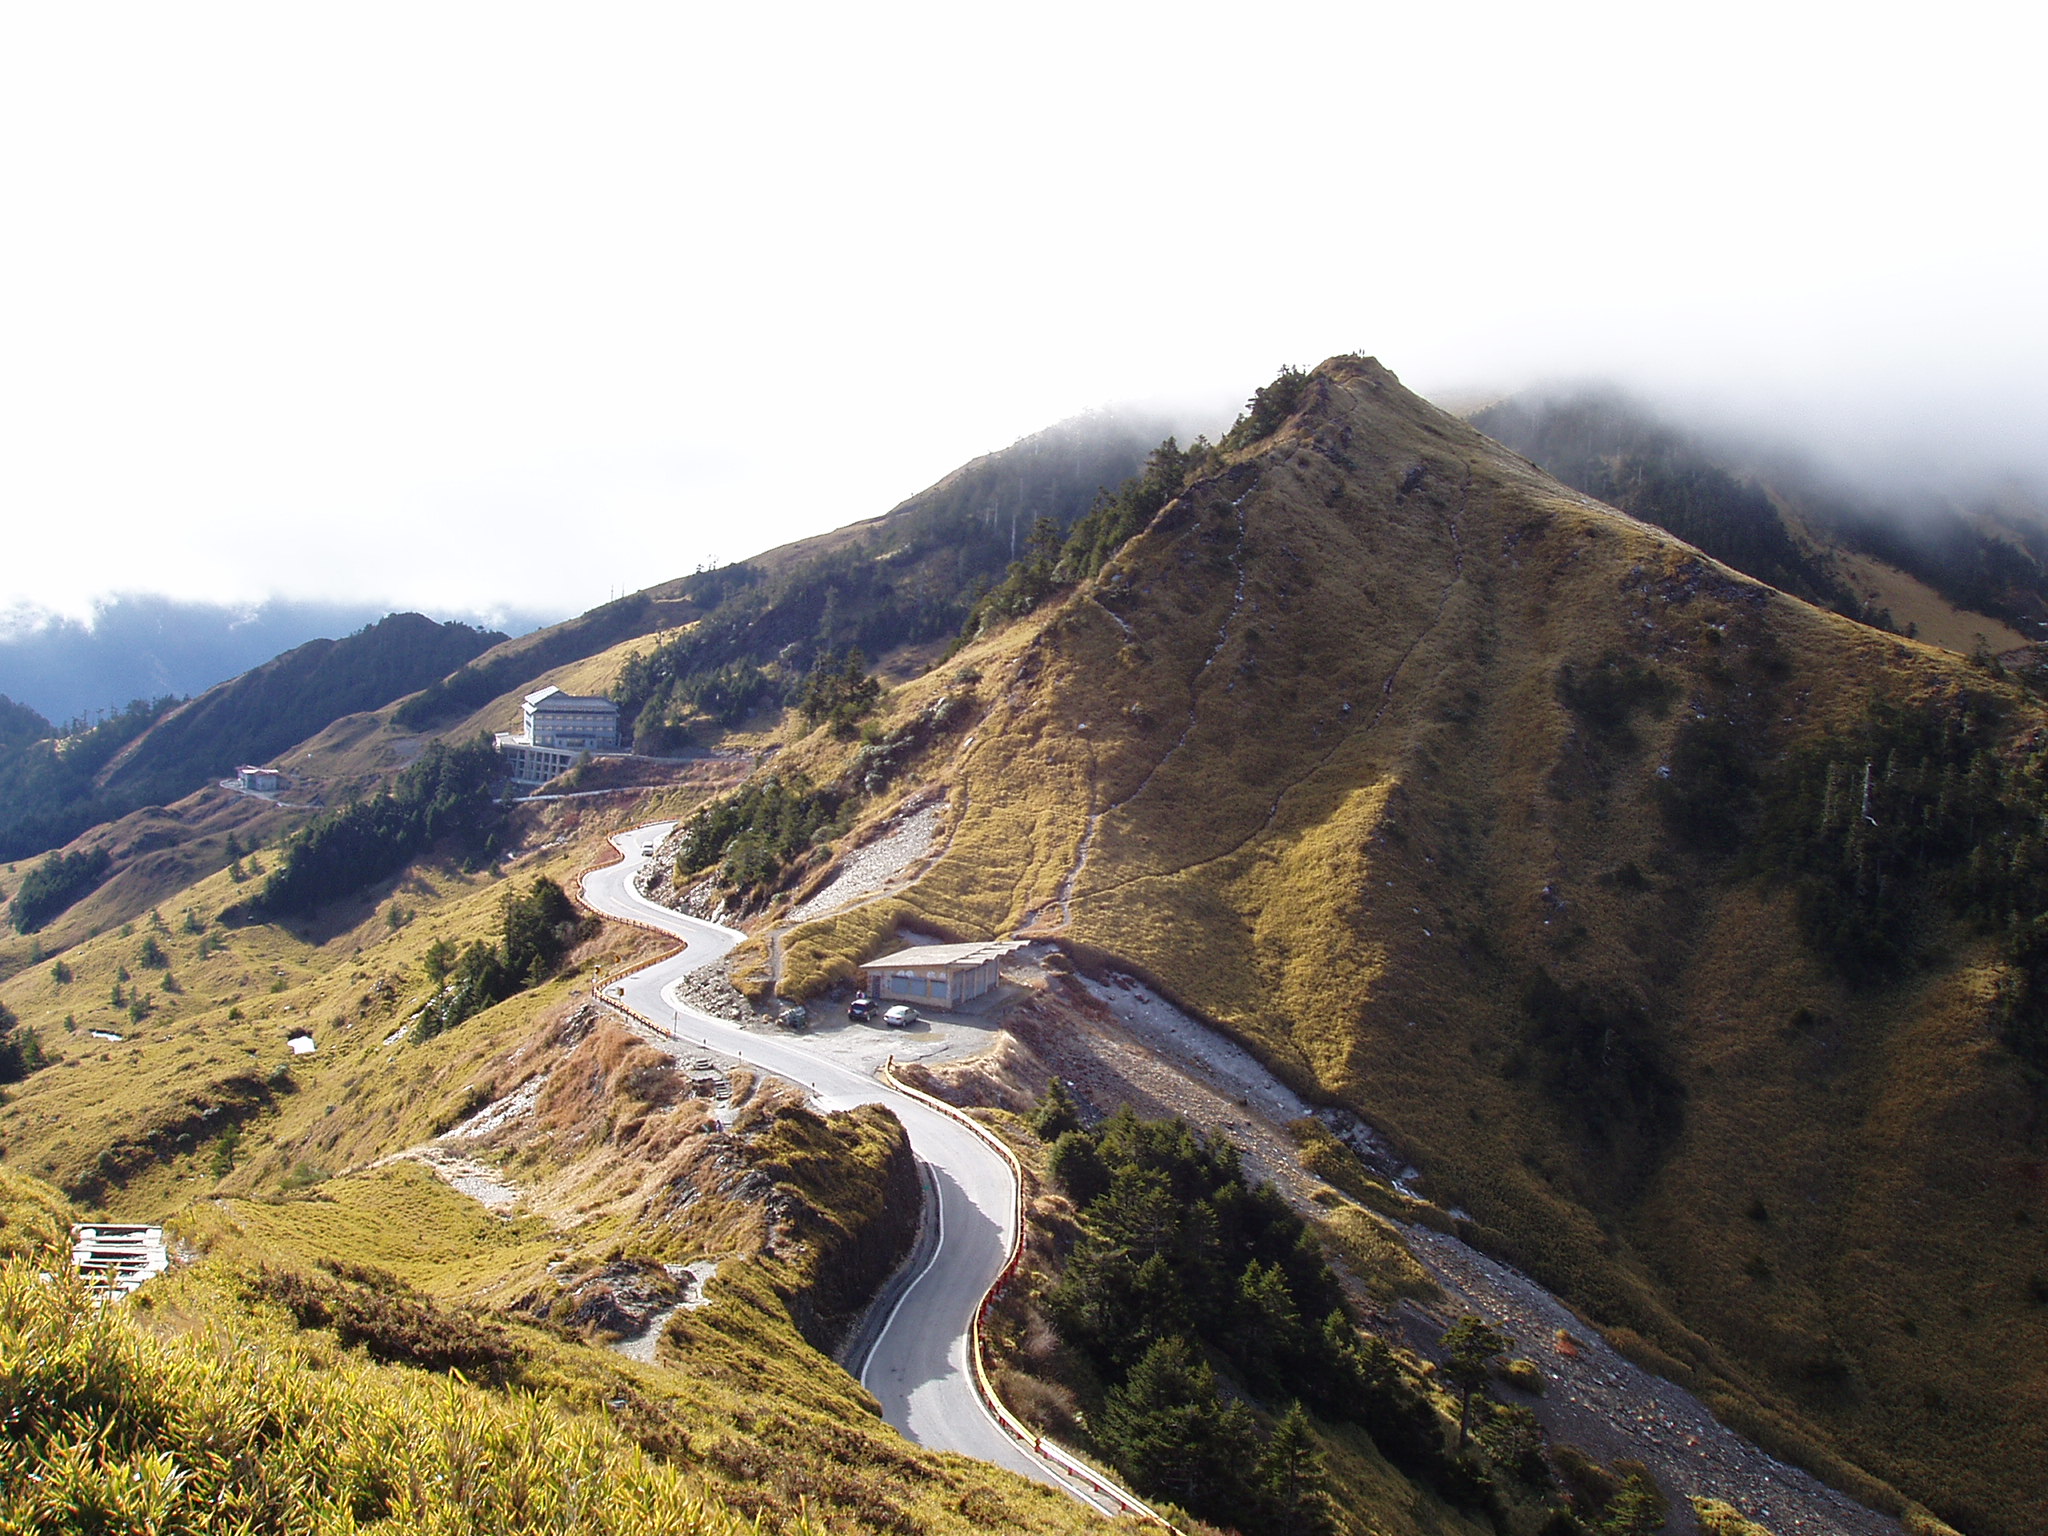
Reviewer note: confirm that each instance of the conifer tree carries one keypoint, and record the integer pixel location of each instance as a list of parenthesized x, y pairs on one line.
[(1077, 1167), (1472, 1346), (1168, 1427), (1057, 1113), (1290, 1479)]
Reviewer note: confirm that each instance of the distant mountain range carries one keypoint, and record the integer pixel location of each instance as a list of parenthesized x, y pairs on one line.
[(146, 646), (158, 752)]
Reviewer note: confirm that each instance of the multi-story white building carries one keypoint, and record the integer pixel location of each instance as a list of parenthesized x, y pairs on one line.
[(559, 728)]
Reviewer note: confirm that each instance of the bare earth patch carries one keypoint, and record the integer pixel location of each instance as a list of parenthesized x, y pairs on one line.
[(495, 1116), (465, 1175), (870, 870)]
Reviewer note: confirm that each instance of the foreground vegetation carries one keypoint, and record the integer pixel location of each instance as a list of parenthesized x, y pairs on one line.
[(113, 1427), (361, 1346)]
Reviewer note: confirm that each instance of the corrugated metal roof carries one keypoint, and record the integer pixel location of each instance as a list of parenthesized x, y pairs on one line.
[(944, 955)]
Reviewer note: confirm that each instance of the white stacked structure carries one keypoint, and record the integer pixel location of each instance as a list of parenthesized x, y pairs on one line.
[(559, 728), (116, 1257)]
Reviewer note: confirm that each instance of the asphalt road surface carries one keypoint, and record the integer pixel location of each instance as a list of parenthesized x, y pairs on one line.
[(917, 1368)]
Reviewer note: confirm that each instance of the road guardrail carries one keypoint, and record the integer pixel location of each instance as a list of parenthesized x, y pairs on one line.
[(1051, 1450)]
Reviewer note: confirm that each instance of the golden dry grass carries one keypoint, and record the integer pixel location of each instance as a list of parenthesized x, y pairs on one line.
[(1363, 892), (619, 1168)]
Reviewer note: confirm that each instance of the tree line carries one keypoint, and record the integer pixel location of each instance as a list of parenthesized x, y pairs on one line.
[(536, 931), (1056, 560), (914, 576), (49, 788), (56, 884), (1924, 813), (1186, 1271), (444, 794), (1212, 1338)]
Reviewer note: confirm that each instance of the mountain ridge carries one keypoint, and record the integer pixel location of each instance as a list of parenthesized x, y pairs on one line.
[(1768, 514), (1495, 814), (1308, 755)]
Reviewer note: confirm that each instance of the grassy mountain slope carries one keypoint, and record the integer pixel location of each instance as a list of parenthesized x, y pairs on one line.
[(1959, 576), (155, 854), (905, 577), (304, 1185), (506, 667), (899, 584), (1401, 761), (266, 710)]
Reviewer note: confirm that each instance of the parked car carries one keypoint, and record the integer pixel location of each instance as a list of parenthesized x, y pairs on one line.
[(795, 1018), (861, 1008), (902, 1016)]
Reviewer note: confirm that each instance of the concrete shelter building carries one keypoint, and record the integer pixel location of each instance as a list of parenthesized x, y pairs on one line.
[(938, 975)]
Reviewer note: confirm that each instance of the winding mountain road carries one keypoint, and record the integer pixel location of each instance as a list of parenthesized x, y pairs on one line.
[(917, 1366)]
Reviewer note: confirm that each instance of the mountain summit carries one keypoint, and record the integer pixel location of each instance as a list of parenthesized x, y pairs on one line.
[(1631, 897)]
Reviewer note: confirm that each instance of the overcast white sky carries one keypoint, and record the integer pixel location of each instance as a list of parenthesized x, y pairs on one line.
[(463, 306)]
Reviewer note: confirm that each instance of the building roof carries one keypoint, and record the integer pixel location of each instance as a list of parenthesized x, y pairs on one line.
[(553, 698), (945, 956)]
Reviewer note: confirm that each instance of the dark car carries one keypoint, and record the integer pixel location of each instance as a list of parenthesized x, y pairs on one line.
[(861, 1008)]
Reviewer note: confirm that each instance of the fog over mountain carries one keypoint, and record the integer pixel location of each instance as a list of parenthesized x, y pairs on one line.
[(546, 326)]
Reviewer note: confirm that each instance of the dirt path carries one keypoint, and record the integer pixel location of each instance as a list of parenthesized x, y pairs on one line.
[(484, 1184), (694, 1277), (1609, 1406)]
